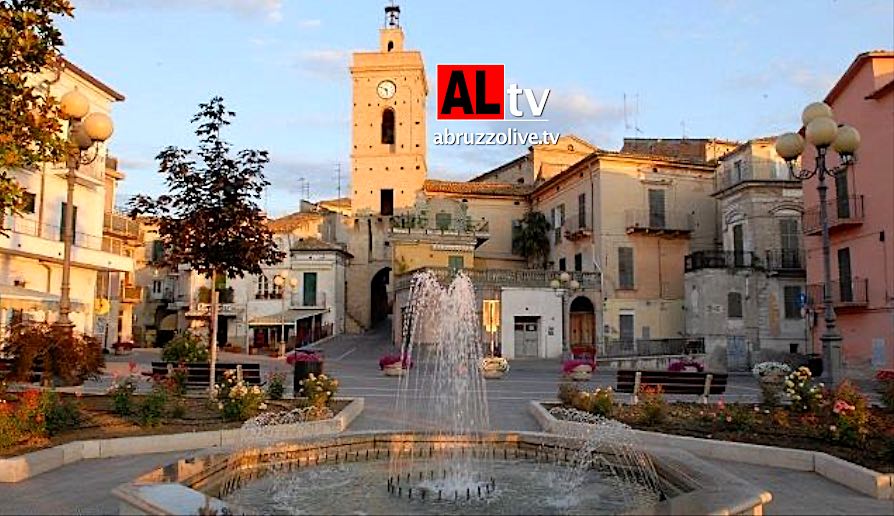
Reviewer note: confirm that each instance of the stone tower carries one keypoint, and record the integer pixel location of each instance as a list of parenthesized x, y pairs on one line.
[(388, 133)]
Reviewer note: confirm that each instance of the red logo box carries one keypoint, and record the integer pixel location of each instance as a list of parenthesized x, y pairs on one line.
[(471, 92)]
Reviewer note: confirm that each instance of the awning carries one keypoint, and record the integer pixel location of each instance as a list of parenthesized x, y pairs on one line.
[(290, 316), (20, 298)]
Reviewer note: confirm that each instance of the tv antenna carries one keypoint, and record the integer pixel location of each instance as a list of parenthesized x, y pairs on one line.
[(338, 179), (304, 188), (627, 125)]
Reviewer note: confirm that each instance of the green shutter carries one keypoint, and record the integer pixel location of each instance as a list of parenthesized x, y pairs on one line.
[(310, 289)]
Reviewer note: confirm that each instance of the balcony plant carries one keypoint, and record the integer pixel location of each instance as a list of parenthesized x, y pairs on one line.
[(579, 370), (494, 367), (771, 376), (395, 365)]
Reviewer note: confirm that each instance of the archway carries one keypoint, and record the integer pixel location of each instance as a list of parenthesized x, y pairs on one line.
[(582, 318), (378, 297)]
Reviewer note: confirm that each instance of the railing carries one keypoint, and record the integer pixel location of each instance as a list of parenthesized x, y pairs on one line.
[(502, 277), (24, 226), (844, 211), (854, 293), (652, 347), (133, 294), (647, 220), (769, 171), (785, 260), (717, 259), (121, 225), (420, 225), (577, 224)]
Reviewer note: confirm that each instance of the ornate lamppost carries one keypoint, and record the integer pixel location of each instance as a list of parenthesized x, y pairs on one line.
[(84, 132), (281, 281), (561, 287), (822, 132)]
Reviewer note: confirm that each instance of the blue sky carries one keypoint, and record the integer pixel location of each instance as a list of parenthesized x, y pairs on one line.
[(730, 69)]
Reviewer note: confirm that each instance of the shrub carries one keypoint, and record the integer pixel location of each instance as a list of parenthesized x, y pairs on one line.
[(319, 389), (59, 414), (737, 418), (685, 364), (152, 408), (122, 393), (599, 402), (885, 379), (567, 393), (849, 415), (236, 401), (276, 385), (35, 414), (10, 429), (185, 347), (66, 356), (804, 395), (653, 406)]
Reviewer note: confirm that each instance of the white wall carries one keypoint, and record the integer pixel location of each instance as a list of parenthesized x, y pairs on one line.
[(532, 302)]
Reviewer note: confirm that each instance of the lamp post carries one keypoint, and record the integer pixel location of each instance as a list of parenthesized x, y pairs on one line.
[(84, 131), (823, 132), (561, 286), (281, 280)]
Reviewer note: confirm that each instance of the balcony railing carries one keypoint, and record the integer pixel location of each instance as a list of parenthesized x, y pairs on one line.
[(422, 225), (502, 277), (577, 228), (121, 225), (24, 226), (785, 260), (767, 171), (854, 293), (844, 211), (717, 259), (651, 347), (648, 221)]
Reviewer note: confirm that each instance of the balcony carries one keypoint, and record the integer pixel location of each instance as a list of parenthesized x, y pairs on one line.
[(443, 225), (27, 237), (651, 347), (718, 259), (120, 225), (853, 294), (786, 261), (843, 212), (132, 294), (658, 223), (729, 176), (577, 228), (502, 277)]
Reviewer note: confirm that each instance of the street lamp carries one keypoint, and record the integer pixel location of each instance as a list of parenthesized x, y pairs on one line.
[(561, 286), (281, 281), (822, 132), (84, 131)]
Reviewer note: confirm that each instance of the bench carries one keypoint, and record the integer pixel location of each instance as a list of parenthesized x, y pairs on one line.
[(702, 384), (7, 365), (198, 373)]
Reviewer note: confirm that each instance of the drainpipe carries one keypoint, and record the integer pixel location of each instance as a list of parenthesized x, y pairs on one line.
[(596, 263)]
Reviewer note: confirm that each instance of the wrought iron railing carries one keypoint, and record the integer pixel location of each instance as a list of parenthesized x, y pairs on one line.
[(785, 260), (651, 347), (718, 259), (648, 220), (502, 277), (842, 211), (120, 224), (850, 293), (418, 225)]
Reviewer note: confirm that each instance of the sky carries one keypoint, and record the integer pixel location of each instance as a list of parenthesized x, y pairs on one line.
[(729, 69)]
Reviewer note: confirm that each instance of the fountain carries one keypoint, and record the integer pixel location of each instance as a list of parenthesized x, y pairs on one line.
[(442, 457)]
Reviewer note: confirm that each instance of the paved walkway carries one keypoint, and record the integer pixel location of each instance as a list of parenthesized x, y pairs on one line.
[(84, 487)]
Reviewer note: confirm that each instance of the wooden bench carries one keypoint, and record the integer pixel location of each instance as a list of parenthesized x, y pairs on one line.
[(7, 366), (198, 373), (702, 384)]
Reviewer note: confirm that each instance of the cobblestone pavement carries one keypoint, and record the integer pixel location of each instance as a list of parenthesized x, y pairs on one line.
[(84, 487)]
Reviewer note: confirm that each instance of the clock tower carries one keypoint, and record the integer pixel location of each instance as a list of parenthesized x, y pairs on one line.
[(388, 123)]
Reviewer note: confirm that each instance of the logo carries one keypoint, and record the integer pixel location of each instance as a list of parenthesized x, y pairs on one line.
[(476, 92)]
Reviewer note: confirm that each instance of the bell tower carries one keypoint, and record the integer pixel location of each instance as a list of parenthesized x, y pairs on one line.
[(388, 131)]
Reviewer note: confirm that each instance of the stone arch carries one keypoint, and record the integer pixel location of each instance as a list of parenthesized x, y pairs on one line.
[(378, 297), (582, 322)]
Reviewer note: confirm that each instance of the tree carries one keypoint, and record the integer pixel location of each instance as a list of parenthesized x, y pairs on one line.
[(210, 219), (532, 239), (29, 119)]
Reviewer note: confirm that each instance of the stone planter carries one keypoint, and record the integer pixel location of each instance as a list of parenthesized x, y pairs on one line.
[(395, 369), (303, 369), (492, 374), (581, 373), (771, 388)]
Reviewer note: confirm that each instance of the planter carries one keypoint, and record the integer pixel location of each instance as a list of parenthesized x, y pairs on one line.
[(815, 364), (394, 370), (492, 374), (303, 369), (581, 373), (771, 388)]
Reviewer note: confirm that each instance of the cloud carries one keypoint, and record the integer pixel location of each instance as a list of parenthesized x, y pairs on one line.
[(330, 64), (271, 10), (808, 80), (284, 172), (310, 24)]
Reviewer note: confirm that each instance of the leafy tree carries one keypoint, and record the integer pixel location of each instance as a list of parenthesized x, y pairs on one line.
[(29, 121), (532, 239), (63, 356), (210, 219)]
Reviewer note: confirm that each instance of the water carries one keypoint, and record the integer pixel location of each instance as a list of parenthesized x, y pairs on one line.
[(522, 487)]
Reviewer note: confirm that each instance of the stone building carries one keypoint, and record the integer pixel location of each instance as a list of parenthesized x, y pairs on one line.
[(744, 296)]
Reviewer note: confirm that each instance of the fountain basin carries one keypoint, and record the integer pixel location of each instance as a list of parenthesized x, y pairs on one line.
[(222, 480)]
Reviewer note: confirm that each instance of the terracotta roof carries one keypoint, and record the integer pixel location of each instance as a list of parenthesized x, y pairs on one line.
[(852, 70), (292, 221), (341, 202), (477, 188), (68, 65), (499, 168), (315, 244)]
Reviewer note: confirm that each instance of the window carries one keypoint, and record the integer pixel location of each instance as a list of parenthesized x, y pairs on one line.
[(157, 286), (790, 242), (657, 215), (310, 289), (455, 262), (490, 315), (625, 268), (737, 171), (582, 211), (157, 251), (738, 245), (792, 296), (386, 201), (558, 222), (74, 224), (443, 221), (734, 305), (625, 325), (28, 202), (844, 275), (263, 287), (843, 207), (579, 262), (562, 266), (516, 230), (388, 126)]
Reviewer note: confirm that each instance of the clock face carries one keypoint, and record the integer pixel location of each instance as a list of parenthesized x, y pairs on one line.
[(386, 89)]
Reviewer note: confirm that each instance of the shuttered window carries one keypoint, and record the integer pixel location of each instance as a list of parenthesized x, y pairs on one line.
[(625, 267)]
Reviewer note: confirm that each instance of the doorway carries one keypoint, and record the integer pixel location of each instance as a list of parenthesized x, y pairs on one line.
[(583, 322), (527, 337), (378, 298)]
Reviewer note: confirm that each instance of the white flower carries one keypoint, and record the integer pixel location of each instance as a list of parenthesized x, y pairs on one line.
[(262, 406), (220, 406)]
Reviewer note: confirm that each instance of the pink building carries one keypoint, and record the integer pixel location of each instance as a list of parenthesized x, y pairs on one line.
[(861, 218)]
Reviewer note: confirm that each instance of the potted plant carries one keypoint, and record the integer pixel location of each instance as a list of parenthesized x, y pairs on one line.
[(578, 370), (494, 367), (685, 364), (771, 376), (306, 364), (395, 365)]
